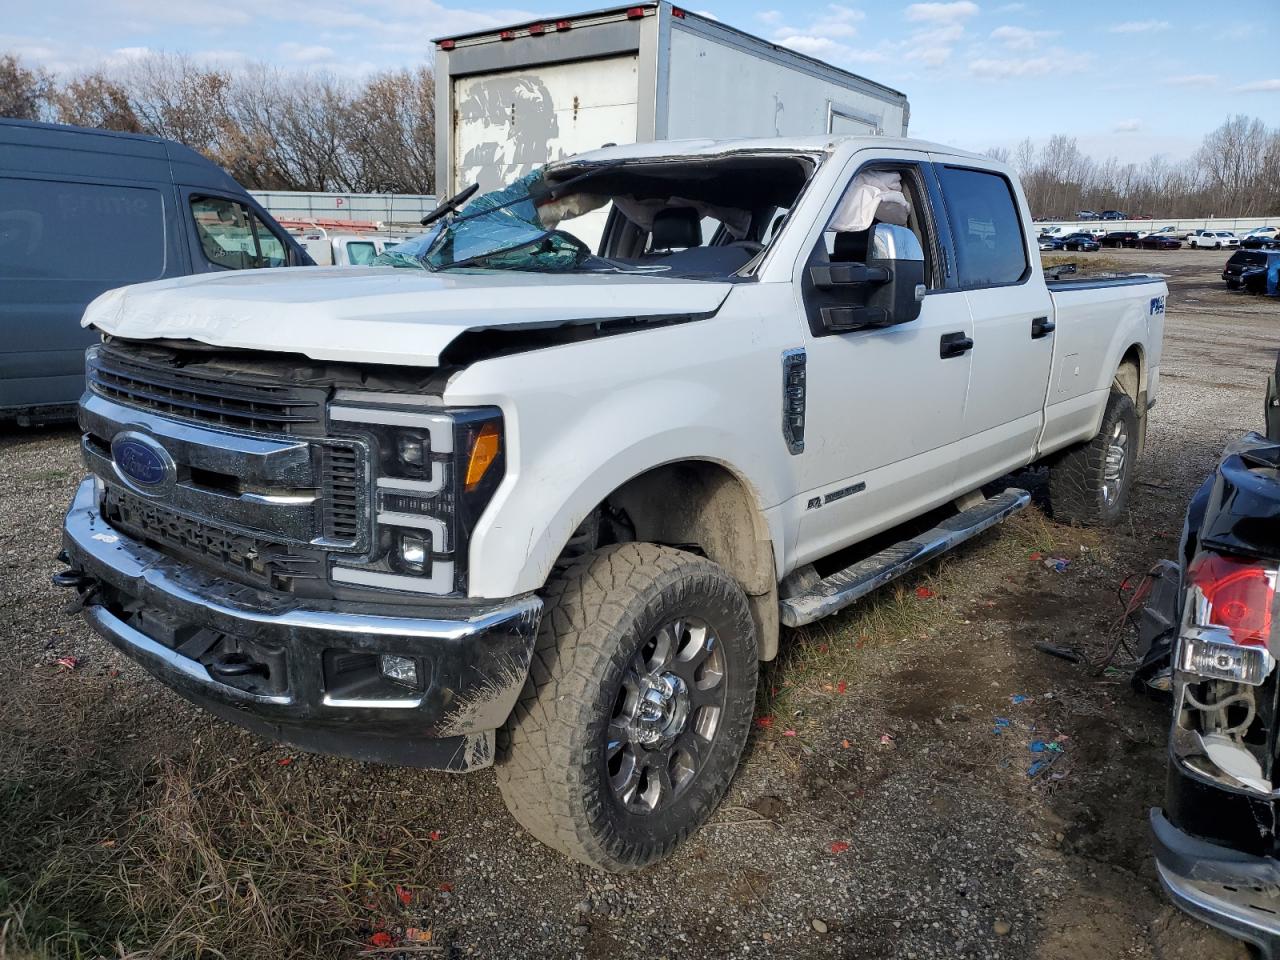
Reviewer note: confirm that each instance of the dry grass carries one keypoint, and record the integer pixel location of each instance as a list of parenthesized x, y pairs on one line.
[(200, 858), (1087, 263)]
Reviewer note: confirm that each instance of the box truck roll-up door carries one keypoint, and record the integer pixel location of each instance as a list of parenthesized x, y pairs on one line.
[(506, 124)]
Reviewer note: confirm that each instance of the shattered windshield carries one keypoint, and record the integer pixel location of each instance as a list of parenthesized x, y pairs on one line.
[(502, 230), (688, 217)]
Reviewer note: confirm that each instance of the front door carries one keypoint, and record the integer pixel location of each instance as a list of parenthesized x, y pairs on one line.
[(883, 404)]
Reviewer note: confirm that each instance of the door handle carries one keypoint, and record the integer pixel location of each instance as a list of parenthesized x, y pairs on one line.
[(954, 345), (1042, 327)]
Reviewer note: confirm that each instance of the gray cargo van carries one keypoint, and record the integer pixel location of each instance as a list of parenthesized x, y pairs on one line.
[(83, 211)]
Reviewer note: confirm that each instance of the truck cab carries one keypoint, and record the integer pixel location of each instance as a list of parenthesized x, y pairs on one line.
[(543, 504)]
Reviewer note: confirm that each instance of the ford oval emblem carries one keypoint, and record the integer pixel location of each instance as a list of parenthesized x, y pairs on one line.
[(142, 463)]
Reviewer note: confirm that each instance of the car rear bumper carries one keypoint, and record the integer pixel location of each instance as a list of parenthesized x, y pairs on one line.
[(1236, 892), (308, 675)]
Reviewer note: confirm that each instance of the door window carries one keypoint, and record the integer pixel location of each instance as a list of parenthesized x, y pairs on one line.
[(233, 238), (360, 252), (80, 231), (986, 230)]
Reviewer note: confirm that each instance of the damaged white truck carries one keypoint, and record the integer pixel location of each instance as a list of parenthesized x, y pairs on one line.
[(526, 503)]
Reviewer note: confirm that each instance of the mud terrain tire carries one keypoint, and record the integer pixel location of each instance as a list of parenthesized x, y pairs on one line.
[(1089, 483), (568, 757)]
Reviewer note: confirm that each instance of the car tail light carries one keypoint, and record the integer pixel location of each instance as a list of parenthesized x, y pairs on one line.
[(1235, 594)]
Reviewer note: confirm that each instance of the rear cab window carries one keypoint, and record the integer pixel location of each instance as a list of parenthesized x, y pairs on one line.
[(233, 237), (985, 227)]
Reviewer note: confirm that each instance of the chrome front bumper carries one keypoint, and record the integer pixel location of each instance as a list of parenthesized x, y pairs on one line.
[(1237, 892), (474, 658)]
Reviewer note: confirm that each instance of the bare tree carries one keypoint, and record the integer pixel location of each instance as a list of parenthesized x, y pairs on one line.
[(95, 100), (24, 92)]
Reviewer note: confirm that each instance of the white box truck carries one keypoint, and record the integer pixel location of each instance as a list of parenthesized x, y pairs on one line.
[(511, 99)]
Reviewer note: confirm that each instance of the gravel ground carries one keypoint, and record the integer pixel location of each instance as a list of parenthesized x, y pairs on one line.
[(895, 822)]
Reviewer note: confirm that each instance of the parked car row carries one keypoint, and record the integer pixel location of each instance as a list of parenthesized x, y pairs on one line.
[(1166, 238)]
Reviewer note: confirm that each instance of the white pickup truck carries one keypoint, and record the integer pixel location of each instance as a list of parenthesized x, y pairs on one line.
[(530, 504)]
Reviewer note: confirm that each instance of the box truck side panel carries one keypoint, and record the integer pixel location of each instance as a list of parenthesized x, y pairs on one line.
[(718, 90), (506, 124)]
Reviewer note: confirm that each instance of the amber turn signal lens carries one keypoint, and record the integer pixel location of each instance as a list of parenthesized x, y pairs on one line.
[(483, 452)]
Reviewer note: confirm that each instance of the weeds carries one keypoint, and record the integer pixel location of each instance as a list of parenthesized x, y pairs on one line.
[(199, 858)]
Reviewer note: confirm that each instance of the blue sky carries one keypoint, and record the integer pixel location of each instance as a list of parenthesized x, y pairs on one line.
[(1128, 79)]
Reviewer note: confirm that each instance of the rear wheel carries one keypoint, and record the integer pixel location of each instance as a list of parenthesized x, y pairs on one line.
[(637, 708), (1090, 482)]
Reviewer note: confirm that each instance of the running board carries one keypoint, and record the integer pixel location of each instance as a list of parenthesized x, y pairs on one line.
[(843, 587)]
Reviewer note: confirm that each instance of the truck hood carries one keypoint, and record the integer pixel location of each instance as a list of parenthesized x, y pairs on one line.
[(382, 314)]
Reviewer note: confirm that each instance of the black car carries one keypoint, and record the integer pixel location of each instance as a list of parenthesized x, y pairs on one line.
[(1120, 238), (1241, 263), (1087, 215), (1113, 215), (1080, 241), (1216, 845), (1255, 242)]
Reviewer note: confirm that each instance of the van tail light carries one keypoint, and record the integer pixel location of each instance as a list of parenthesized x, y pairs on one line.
[(1235, 594)]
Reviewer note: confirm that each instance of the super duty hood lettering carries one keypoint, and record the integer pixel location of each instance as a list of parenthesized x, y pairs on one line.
[(382, 315)]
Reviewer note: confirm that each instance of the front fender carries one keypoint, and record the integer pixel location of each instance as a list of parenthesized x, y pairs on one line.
[(585, 418)]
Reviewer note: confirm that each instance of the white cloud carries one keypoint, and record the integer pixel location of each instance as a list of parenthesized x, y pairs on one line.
[(1139, 26), (305, 52), (942, 12), (1012, 8), (996, 69), (1020, 38), (771, 17), (1192, 80), (1127, 126), (929, 56), (826, 35), (1259, 86)]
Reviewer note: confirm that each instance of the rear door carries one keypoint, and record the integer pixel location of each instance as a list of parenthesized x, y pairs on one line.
[(1012, 320)]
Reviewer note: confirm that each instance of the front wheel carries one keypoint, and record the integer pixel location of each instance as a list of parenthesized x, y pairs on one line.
[(637, 707), (1090, 482)]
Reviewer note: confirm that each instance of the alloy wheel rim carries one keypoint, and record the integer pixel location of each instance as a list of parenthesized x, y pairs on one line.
[(666, 715), (1114, 466)]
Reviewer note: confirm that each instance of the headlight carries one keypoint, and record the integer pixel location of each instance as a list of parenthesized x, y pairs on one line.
[(435, 472)]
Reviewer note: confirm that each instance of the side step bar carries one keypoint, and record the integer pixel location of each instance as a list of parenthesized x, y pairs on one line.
[(843, 587)]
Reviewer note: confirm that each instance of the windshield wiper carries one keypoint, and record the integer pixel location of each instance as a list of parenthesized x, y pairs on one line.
[(453, 203)]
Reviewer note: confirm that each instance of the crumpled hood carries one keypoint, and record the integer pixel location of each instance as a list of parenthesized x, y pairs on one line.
[(381, 314)]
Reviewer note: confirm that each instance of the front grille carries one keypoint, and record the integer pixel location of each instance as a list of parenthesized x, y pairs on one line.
[(342, 479), (159, 382), (253, 560)]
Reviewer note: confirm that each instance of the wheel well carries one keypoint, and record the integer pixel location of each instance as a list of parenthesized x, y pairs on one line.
[(701, 506), (1131, 375), (1131, 379)]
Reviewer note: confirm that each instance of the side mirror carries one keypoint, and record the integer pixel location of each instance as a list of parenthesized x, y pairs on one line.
[(889, 285)]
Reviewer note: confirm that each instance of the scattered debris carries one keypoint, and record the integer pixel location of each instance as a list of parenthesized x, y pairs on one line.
[(1002, 724), (886, 738), (839, 846), (924, 593), (285, 761), (1018, 698), (404, 895), (67, 663), (819, 925), (1002, 928), (841, 687), (1069, 654), (1056, 564), (765, 722)]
